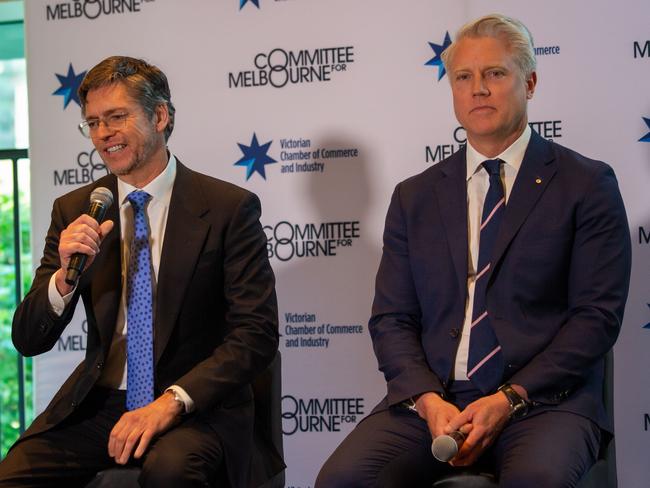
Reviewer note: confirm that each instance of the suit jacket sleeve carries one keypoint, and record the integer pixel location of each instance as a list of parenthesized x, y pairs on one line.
[(251, 317), (395, 325), (36, 328), (598, 280)]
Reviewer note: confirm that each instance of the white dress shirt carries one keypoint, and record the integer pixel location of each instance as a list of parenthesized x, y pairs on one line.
[(160, 189), (478, 182)]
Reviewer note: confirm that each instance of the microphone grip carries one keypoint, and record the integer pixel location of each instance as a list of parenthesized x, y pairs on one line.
[(458, 436), (97, 211), (75, 267)]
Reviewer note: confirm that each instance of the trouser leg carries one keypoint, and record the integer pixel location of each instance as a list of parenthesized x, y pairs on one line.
[(388, 449), (549, 450), (189, 455), (71, 453)]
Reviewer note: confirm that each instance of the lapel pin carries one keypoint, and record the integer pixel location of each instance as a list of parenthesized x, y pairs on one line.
[(538, 180)]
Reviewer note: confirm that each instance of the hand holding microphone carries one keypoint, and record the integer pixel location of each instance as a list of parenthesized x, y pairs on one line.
[(470, 433), (438, 413), (79, 242), (445, 447)]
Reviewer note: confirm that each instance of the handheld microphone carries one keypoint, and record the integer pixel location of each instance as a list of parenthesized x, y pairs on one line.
[(100, 200), (445, 447)]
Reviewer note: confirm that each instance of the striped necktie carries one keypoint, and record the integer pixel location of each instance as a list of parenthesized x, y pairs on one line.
[(485, 362), (139, 377)]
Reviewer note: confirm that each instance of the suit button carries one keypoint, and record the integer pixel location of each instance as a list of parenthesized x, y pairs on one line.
[(42, 327), (100, 365), (454, 332), (73, 404)]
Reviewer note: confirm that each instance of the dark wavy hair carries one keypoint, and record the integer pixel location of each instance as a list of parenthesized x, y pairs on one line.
[(144, 82)]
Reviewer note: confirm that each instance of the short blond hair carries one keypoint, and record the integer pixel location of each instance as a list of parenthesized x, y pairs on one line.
[(516, 35)]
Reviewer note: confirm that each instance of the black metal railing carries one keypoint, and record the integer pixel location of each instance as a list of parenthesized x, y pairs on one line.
[(15, 155)]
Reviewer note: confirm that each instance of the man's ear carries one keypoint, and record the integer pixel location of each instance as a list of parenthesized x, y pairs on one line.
[(161, 117), (531, 83)]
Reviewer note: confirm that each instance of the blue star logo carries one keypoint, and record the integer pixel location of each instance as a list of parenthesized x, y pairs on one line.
[(646, 138), (69, 86), (244, 2), (255, 157), (437, 60), (647, 326)]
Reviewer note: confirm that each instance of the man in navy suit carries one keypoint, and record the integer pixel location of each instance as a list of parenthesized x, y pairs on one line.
[(502, 286)]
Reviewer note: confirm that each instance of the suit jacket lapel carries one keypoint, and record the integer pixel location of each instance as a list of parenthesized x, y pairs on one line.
[(536, 171), (106, 278), (451, 191), (185, 235)]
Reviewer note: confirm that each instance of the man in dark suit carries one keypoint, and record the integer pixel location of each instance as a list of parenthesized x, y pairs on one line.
[(502, 286), (180, 302)]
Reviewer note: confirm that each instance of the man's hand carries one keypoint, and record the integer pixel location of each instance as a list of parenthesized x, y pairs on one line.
[(140, 426), (84, 235), (487, 416), (436, 412)]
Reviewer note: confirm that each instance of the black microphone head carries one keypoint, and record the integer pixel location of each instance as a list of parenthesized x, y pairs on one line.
[(100, 201), (444, 448), (102, 195)]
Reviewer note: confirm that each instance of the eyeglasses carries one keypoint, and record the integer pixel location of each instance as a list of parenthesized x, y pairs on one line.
[(114, 121)]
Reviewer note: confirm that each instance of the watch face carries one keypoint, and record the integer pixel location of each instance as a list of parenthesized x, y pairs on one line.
[(520, 410)]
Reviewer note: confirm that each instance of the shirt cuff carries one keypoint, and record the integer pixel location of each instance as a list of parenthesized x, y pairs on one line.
[(185, 398), (58, 302)]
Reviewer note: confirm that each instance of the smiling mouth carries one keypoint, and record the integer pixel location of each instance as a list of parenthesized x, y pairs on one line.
[(117, 147)]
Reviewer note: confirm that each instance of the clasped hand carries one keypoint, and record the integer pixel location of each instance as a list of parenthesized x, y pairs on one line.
[(481, 421)]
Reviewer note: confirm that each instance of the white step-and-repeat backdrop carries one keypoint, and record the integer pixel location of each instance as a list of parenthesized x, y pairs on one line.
[(321, 107)]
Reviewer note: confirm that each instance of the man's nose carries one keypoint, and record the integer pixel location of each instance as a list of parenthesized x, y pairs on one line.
[(103, 130), (479, 87)]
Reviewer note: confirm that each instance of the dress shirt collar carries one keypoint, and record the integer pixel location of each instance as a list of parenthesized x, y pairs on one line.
[(512, 156), (160, 188)]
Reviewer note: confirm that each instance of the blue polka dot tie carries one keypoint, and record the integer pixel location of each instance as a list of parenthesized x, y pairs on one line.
[(139, 316), (485, 362)]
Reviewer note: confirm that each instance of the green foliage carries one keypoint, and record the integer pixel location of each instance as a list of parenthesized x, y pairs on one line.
[(9, 358)]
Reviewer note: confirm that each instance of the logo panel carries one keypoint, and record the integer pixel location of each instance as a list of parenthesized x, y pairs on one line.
[(548, 129), (641, 49), (91, 9), (69, 85), (436, 60), (319, 414), (547, 50), (89, 167), (297, 155), (303, 330), (278, 67), (646, 138), (252, 2), (74, 342), (255, 158), (287, 241)]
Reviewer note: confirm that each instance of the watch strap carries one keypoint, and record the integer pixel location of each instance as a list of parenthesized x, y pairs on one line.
[(518, 405)]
